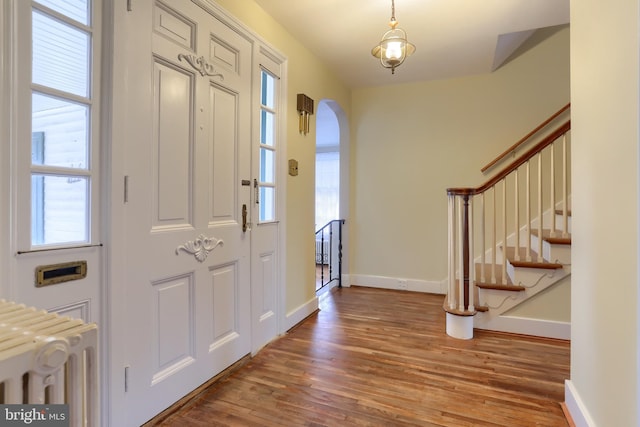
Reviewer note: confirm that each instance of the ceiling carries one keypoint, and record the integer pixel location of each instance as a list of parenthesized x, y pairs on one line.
[(453, 38)]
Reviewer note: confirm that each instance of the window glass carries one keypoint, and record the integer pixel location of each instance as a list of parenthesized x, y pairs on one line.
[(60, 55), (61, 122), (268, 152), (267, 204), (267, 165), (327, 187), (268, 90), (74, 9), (267, 123), (59, 209), (64, 127)]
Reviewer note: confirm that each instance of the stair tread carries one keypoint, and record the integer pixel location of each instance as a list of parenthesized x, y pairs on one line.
[(522, 262), (558, 239), (501, 287), (559, 212), (446, 308)]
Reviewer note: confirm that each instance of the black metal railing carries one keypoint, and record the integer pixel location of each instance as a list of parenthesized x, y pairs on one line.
[(329, 254)]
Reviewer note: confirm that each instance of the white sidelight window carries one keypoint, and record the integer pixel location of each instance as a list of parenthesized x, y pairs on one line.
[(266, 185), (63, 123)]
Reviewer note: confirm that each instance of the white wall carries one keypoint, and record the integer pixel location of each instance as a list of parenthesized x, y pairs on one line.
[(554, 303), (411, 142), (604, 310)]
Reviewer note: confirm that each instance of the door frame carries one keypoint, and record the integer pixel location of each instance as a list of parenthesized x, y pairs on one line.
[(6, 117), (116, 67)]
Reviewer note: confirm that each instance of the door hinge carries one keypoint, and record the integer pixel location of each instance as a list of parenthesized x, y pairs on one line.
[(126, 188), (129, 5), (126, 379)]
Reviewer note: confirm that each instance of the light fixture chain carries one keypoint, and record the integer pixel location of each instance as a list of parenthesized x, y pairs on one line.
[(393, 10)]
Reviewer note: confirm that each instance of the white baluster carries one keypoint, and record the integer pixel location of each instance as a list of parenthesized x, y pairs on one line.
[(452, 254), (495, 246), (552, 190), (528, 209), (516, 209), (565, 209), (483, 251), (539, 156), (504, 231)]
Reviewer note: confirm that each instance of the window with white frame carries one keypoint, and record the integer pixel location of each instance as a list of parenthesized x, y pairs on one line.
[(62, 122), (327, 187), (266, 183)]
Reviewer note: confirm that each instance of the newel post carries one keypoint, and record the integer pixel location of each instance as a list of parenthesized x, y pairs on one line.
[(465, 250), (460, 309)]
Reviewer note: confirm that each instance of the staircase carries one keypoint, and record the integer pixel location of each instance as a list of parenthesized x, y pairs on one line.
[(510, 238)]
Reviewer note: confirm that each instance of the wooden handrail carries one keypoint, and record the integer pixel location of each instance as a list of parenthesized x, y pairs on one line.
[(524, 138), (513, 166)]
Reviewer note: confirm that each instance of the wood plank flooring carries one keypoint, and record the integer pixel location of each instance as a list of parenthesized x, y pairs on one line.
[(374, 357)]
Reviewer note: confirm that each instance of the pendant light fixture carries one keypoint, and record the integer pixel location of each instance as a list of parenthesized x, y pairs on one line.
[(394, 48)]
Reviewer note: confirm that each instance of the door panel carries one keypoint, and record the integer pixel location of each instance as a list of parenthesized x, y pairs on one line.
[(222, 160), (188, 260), (264, 291), (173, 334), (172, 145), (267, 272), (225, 321)]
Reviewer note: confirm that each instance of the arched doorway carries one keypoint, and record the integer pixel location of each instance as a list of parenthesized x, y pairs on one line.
[(331, 193)]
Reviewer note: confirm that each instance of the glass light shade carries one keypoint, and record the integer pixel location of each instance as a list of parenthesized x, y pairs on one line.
[(393, 49)]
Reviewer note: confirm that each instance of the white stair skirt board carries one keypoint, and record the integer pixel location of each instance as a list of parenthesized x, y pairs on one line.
[(525, 326), (398, 283), (300, 313), (576, 407), (460, 327)]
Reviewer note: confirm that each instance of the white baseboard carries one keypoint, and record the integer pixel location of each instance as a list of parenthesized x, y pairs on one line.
[(346, 280), (523, 325), (300, 313), (576, 407), (401, 283)]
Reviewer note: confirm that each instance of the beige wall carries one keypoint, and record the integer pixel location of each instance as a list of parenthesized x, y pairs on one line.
[(554, 303), (306, 74), (604, 310), (411, 142)]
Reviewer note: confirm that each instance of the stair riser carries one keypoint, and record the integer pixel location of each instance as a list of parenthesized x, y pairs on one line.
[(560, 225), (556, 253), (553, 252)]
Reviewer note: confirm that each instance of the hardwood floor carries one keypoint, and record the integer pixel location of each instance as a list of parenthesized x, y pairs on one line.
[(373, 357)]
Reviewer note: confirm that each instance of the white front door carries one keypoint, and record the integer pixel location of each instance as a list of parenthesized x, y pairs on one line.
[(188, 301)]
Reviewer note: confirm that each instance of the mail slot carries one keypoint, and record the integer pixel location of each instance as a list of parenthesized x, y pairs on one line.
[(58, 273)]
